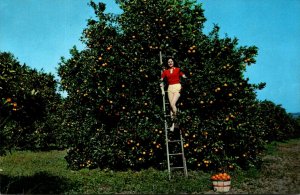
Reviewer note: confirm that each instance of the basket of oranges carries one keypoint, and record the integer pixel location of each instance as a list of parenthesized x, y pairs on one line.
[(221, 182)]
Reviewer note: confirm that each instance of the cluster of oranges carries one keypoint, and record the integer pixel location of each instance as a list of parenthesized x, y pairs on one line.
[(192, 49), (8, 101), (221, 176)]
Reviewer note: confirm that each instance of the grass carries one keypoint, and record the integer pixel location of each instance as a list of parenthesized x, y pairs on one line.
[(46, 172)]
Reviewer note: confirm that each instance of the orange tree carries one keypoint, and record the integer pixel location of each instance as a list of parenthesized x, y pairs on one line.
[(29, 100), (277, 124), (113, 110)]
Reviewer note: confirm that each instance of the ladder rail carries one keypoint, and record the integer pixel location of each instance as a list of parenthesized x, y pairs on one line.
[(183, 156), (166, 132)]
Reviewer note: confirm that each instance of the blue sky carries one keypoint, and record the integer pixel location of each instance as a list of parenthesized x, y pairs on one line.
[(39, 32)]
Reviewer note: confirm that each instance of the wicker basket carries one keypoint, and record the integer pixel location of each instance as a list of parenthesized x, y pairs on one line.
[(221, 186)]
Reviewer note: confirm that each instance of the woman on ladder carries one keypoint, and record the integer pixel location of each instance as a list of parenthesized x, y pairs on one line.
[(173, 74)]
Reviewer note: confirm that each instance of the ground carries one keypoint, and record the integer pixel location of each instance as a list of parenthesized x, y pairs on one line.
[(280, 173), (45, 172)]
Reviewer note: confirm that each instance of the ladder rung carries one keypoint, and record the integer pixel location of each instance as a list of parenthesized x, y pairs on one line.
[(175, 154), (174, 140), (177, 167)]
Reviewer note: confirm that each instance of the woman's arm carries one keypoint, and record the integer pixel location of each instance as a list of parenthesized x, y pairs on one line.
[(162, 87), (161, 82), (182, 74)]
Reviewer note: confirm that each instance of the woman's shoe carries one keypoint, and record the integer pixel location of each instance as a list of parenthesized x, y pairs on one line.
[(172, 127)]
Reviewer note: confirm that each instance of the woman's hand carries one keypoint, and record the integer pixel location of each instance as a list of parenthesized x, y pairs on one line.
[(162, 88)]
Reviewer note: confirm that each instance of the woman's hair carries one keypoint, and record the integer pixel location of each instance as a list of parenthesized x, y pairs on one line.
[(167, 59)]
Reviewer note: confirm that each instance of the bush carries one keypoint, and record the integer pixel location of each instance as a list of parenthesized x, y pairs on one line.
[(277, 124)]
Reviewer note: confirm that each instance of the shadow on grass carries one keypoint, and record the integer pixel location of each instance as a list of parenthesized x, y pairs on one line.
[(40, 183)]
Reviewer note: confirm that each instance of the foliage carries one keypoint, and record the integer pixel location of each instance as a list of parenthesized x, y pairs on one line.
[(113, 110), (28, 104), (277, 124)]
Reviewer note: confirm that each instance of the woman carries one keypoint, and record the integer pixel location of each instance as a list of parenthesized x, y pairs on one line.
[(173, 75)]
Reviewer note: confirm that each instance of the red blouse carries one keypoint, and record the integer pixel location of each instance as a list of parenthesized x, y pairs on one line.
[(174, 77)]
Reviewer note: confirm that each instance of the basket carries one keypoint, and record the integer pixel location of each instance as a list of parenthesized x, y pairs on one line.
[(221, 185)]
